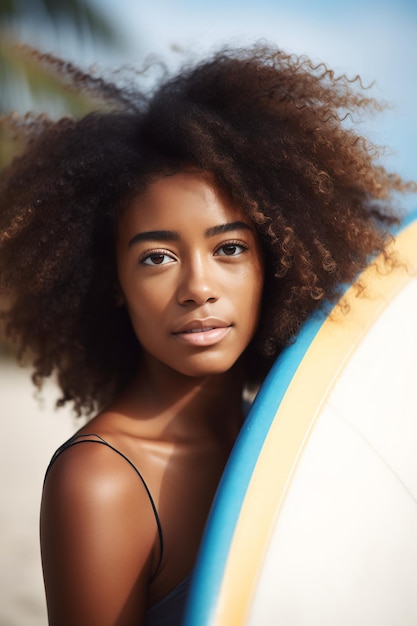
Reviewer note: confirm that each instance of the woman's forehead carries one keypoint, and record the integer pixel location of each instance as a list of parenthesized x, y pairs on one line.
[(179, 199)]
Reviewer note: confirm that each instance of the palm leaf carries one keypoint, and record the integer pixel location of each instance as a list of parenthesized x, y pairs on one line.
[(79, 15), (25, 83)]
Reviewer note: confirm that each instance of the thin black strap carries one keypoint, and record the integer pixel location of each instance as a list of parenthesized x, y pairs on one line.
[(77, 439)]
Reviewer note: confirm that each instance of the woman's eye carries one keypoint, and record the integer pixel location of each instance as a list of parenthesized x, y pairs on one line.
[(157, 258), (231, 249)]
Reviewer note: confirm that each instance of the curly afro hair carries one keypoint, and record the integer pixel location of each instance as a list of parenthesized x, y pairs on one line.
[(269, 128)]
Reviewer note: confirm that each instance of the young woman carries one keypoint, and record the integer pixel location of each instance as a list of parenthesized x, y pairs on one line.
[(156, 255)]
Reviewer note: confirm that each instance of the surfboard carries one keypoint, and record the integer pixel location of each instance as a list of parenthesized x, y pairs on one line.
[(315, 518)]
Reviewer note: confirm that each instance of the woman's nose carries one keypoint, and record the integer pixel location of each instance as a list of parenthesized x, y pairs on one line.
[(197, 284)]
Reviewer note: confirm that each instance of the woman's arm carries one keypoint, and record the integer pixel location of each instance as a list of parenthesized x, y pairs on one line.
[(99, 540)]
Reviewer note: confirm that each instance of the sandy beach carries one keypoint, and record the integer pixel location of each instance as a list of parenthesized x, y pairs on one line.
[(31, 431)]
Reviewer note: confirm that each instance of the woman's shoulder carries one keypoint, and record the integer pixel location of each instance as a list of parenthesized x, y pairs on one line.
[(89, 465), (92, 479), (90, 469), (96, 519)]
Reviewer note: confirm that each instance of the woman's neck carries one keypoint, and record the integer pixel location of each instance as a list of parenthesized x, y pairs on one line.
[(184, 407)]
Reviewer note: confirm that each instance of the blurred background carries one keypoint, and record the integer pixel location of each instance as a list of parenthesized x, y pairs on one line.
[(376, 39)]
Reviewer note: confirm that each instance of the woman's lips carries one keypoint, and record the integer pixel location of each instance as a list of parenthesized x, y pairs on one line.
[(205, 334)]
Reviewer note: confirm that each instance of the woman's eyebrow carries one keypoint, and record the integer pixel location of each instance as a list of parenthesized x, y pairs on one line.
[(155, 235), (226, 228), (172, 235)]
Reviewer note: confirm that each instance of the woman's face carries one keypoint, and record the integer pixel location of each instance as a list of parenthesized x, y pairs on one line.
[(191, 273)]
